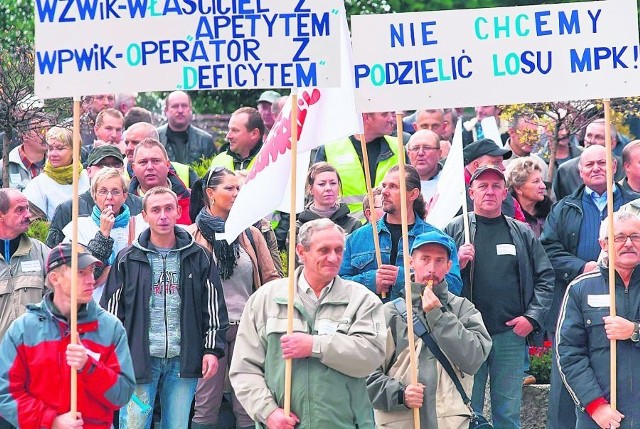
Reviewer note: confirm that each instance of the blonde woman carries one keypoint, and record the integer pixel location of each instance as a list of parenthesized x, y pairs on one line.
[(55, 184)]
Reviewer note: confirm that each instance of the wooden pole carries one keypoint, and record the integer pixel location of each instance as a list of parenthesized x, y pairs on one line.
[(407, 271), (74, 249), (374, 218), (610, 245), (292, 246)]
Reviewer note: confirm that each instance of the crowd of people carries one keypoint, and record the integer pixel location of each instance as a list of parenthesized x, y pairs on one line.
[(179, 328)]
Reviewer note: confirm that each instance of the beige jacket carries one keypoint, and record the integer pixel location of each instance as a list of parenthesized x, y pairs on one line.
[(328, 388), (21, 280), (263, 268)]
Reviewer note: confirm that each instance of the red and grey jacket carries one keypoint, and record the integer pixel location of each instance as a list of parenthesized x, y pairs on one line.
[(35, 378)]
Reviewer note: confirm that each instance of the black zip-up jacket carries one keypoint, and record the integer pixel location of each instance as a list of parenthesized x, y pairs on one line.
[(583, 349), (204, 314), (534, 268)]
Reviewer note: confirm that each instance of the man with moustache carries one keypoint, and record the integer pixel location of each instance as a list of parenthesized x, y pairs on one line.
[(454, 324)]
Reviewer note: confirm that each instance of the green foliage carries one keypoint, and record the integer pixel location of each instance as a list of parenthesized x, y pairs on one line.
[(16, 24), (38, 230), (201, 167), (540, 366)]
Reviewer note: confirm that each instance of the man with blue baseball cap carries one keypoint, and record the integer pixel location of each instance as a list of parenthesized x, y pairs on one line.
[(456, 327)]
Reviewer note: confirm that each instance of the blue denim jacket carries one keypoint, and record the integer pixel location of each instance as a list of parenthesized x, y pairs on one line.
[(359, 259)]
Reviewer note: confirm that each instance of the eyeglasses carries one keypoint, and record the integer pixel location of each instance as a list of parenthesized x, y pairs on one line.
[(114, 192), (635, 238), (422, 148)]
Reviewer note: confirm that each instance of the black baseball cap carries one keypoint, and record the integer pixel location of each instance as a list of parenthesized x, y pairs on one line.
[(102, 152), (61, 255), (484, 147), (480, 171)]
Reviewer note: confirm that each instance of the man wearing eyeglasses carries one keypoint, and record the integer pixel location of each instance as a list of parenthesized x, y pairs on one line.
[(585, 328), (104, 156), (424, 154), (570, 238)]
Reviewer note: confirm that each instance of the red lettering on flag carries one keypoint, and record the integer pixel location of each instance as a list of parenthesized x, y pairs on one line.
[(280, 138)]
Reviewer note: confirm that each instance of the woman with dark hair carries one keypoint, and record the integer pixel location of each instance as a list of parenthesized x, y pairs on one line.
[(524, 180), (323, 187), (244, 265)]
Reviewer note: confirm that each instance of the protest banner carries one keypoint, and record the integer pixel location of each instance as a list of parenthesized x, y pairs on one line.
[(151, 45), (325, 114), (508, 55)]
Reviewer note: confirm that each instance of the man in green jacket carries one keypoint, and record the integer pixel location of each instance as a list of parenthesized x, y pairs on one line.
[(339, 338), (454, 324)]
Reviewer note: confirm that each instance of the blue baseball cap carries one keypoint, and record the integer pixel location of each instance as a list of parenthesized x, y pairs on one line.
[(432, 237)]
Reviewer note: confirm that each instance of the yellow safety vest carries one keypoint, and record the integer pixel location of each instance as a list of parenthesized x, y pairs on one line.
[(343, 156), (182, 170), (223, 159)]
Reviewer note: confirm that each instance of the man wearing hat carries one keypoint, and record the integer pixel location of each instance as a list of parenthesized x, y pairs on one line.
[(454, 324), (265, 102), (487, 152), (103, 156), (184, 142), (36, 355), (503, 259)]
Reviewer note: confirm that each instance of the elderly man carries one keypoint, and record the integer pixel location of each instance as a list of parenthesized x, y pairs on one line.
[(185, 142), (568, 177), (36, 355), (166, 290), (570, 238), (424, 154), (22, 263), (359, 263), (585, 329), (503, 259), (339, 339), (454, 324)]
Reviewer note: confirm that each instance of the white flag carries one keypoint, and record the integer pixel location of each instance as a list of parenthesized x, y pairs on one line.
[(450, 192), (324, 115)]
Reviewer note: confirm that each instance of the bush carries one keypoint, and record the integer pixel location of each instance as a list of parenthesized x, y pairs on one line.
[(38, 230), (540, 366)]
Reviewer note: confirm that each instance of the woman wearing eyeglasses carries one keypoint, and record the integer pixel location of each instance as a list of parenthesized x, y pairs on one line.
[(55, 184), (110, 227), (244, 265)]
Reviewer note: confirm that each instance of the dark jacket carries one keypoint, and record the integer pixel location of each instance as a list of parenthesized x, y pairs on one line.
[(534, 267), (62, 215), (340, 217), (204, 315), (583, 350), (560, 240), (199, 145)]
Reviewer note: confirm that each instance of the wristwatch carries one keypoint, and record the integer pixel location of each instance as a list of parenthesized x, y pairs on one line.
[(635, 337)]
